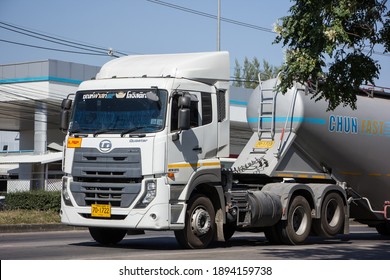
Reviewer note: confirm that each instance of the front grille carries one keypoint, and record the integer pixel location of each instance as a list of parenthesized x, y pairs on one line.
[(106, 178), (119, 163), (107, 195), (103, 173), (115, 194)]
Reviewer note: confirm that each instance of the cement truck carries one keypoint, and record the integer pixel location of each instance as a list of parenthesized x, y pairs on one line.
[(162, 142)]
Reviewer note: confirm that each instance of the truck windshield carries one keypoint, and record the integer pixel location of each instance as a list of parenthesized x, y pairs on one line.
[(119, 111)]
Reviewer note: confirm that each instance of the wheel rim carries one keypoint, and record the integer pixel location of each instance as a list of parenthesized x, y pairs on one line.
[(200, 221), (332, 213), (299, 220)]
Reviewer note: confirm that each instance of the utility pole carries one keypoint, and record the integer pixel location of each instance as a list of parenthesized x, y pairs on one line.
[(219, 27)]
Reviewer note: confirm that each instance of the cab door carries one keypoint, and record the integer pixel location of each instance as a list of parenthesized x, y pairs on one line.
[(187, 149)]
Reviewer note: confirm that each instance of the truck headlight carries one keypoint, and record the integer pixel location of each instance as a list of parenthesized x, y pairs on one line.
[(150, 194), (151, 191), (65, 193)]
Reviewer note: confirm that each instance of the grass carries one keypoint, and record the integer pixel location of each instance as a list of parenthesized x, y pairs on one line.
[(12, 217)]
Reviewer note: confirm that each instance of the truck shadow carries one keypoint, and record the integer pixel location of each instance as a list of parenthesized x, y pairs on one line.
[(147, 243), (375, 252), (355, 246)]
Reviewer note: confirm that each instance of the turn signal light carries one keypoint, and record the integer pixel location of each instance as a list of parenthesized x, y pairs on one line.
[(74, 142)]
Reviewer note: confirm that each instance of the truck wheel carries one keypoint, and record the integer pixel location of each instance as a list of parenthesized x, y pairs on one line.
[(296, 229), (199, 230), (383, 229), (332, 216), (107, 236)]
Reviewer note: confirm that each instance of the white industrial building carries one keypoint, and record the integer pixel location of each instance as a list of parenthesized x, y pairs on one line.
[(30, 100)]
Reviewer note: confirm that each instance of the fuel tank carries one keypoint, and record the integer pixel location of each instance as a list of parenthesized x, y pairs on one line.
[(353, 144)]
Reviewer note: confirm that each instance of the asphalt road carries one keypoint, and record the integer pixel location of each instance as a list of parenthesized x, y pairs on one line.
[(362, 243)]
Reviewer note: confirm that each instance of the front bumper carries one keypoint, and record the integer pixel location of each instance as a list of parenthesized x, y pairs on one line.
[(155, 216)]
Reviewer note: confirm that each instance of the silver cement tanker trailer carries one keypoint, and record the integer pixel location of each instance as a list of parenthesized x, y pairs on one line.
[(331, 165)]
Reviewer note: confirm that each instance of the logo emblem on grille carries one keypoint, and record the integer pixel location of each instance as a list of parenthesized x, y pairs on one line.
[(105, 146)]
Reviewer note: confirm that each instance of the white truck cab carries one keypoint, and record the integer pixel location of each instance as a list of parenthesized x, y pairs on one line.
[(141, 138)]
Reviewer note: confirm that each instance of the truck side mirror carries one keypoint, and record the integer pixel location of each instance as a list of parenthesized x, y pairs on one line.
[(185, 101), (184, 116), (184, 119), (66, 104), (64, 119)]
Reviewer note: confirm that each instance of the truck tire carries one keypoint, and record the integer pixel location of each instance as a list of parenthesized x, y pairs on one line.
[(332, 216), (107, 236), (199, 230), (297, 227)]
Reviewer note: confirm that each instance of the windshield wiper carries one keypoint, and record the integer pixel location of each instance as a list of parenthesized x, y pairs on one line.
[(77, 133), (102, 131), (74, 131), (130, 130)]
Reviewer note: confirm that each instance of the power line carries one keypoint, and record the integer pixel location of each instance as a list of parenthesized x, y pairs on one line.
[(51, 38), (50, 49), (52, 110), (22, 96), (92, 50), (48, 40), (36, 93), (26, 114), (199, 13)]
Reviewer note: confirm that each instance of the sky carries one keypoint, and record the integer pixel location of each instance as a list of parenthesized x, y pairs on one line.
[(144, 27)]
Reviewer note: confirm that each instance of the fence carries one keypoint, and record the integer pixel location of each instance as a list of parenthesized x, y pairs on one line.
[(16, 185)]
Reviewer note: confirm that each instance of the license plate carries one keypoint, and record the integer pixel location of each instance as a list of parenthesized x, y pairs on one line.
[(101, 210), (264, 144)]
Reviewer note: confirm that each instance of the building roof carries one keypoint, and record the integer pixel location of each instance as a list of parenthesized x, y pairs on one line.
[(47, 70), (30, 158)]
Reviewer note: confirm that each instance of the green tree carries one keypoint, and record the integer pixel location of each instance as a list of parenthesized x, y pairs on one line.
[(237, 82), (269, 71), (247, 75), (333, 41)]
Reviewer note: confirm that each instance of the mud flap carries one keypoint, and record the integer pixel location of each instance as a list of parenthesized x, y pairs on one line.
[(219, 223)]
